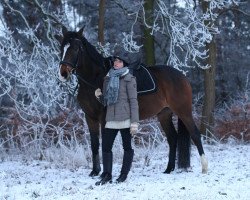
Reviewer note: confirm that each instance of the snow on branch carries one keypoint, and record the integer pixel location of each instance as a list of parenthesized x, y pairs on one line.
[(189, 30), (189, 36), (103, 49), (219, 5), (129, 43), (29, 80)]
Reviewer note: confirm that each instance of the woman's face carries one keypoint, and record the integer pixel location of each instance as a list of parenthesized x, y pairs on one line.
[(118, 64)]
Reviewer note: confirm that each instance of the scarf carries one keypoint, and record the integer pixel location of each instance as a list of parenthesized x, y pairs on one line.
[(112, 91)]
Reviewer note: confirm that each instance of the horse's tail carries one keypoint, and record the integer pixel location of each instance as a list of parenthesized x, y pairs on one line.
[(184, 142)]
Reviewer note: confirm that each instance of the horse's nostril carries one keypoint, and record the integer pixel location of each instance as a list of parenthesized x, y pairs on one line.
[(64, 74)]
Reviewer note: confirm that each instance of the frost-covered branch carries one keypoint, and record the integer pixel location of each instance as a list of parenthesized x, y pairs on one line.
[(189, 31), (29, 81), (18, 12), (34, 75), (128, 41), (103, 49)]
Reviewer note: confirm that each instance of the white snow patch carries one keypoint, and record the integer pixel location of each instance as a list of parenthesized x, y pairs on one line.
[(228, 177)]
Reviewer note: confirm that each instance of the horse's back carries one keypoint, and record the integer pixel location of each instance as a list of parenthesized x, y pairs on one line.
[(167, 71), (169, 77), (173, 91)]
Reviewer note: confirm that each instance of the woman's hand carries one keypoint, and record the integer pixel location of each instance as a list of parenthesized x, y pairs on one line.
[(98, 93), (134, 128)]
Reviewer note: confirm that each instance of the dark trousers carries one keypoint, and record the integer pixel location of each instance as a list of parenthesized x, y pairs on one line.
[(108, 138)]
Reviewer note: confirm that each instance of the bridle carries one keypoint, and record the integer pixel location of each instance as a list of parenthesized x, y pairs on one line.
[(75, 65)]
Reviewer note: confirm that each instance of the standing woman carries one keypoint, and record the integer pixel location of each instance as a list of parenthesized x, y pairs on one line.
[(120, 97)]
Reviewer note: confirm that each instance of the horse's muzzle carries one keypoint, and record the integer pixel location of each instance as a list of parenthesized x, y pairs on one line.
[(65, 72)]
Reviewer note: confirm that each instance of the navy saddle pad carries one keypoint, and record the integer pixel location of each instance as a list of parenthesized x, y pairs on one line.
[(145, 80)]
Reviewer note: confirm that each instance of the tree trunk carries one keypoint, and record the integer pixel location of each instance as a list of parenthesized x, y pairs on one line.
[(148, 41), (101, 21), (209, 87)]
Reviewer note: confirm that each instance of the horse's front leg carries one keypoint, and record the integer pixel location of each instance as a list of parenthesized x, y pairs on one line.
[(94, 140)]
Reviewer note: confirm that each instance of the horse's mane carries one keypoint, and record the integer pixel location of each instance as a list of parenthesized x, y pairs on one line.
[(91, 50), (93, 53)]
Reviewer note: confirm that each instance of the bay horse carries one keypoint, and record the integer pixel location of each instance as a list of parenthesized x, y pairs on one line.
[(174, 95)]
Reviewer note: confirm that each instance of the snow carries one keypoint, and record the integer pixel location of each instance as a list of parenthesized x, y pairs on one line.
[(228, 177), (181, 3), (2, 26)]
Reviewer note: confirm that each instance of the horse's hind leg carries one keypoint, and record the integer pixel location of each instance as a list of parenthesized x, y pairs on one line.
[(165, 118), (183, 146), (182, 107), (196, 137)]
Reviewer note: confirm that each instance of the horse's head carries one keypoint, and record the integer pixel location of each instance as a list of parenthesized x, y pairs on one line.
[(71, 49), (80, 57)]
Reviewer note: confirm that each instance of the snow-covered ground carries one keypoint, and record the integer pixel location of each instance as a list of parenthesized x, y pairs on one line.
[(228, 178)]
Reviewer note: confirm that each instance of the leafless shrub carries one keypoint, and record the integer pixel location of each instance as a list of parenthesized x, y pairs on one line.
[(233, 120)]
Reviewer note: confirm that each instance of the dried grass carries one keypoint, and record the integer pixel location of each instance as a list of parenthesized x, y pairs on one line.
[(234, 121)]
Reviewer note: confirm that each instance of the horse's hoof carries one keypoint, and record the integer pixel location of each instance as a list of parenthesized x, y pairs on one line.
[(93, 173), (168, 170), (102, 175), (183, 170)]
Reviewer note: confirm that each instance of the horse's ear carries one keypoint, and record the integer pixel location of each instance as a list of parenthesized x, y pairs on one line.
[(80, 32), (59, 38), (64, 30)]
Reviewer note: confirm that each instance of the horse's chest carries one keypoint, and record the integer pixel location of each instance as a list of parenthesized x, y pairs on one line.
[(87, 103)]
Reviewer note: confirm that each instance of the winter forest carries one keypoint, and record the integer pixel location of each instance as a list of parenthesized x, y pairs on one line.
[(42, 127)]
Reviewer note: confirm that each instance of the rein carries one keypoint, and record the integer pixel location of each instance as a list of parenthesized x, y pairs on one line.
[(86, 82)]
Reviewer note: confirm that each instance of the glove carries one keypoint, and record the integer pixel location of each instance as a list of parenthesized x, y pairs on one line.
[(98, 93), (134, 128)]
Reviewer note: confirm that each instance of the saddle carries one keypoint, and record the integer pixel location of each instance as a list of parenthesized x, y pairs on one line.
[(146, 82)]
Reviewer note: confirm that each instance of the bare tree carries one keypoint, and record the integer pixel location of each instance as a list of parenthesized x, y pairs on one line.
[(207, 123)]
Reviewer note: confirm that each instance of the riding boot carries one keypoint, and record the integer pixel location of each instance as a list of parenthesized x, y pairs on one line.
[(107, 169), (126, 165)]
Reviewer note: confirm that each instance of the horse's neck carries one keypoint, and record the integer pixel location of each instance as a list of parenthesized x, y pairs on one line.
[(92, 73), (88, 101), (89, 79), (86, 94)]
